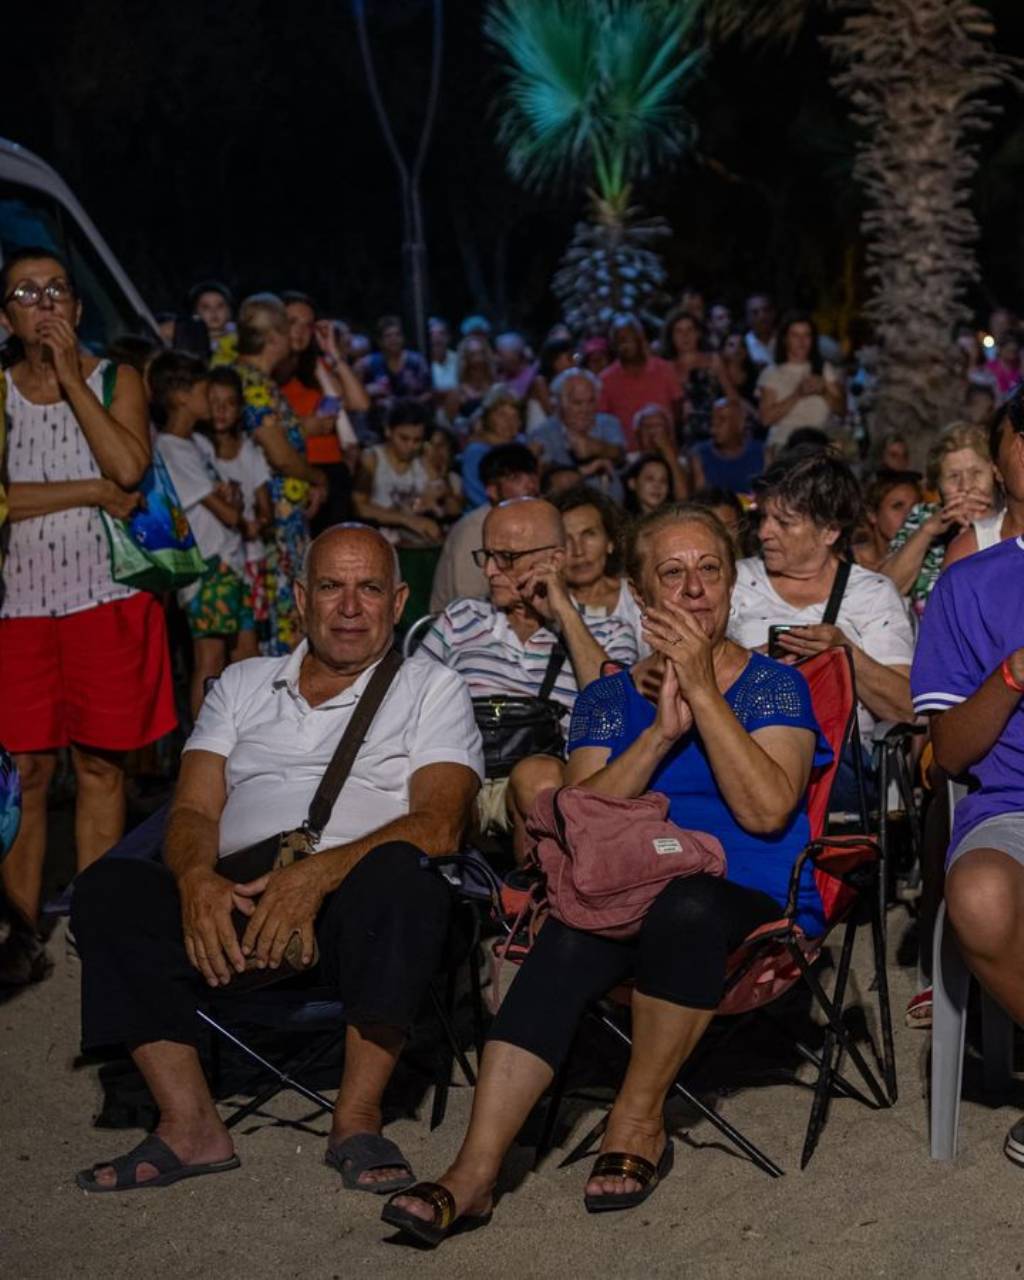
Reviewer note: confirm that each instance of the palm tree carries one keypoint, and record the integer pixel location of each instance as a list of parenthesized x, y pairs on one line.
[(916, 74), (593, 96)]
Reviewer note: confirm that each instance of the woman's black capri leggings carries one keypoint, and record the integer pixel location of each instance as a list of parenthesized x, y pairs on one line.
[(679, 955)]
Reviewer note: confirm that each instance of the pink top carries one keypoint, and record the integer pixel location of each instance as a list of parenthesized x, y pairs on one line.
[(627, 390)]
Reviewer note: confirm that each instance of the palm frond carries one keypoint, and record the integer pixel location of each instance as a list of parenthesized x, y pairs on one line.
[(593, 87)]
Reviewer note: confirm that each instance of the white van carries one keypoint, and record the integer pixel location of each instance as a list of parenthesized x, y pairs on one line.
[(38, 208)]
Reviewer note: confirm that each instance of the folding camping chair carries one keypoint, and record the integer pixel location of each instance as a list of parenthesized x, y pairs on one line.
[(779, 955)]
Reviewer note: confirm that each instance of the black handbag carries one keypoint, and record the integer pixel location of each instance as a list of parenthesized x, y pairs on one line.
[(513, 728), (286, 847)]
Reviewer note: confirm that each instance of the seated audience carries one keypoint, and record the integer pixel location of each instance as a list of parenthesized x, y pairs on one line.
[(502, 645), (501, 422), (892, 453), (1008, 522), (445, 496), (595, 354), (888, 501), (477, 375), (392, 484), (392, 372), (219, 606), (979, 404), (636, 377), (731, 458), (808, 507), (648, 482), (762, 335), (515, 370), (968, 676), (152, 934), (1007, 368), (508, 471), (557, 479), (84, 665), (593, 533), (444, 363), (730, 512), (578, 435), (655, 433), (730, 739), (800, 389), (960, 470), (701, 374), (556, 355)]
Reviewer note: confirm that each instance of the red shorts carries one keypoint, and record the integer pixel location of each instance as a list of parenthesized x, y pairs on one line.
[(100, 678)]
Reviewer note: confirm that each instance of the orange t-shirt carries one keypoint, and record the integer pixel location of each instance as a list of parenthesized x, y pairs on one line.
[(304, 402)]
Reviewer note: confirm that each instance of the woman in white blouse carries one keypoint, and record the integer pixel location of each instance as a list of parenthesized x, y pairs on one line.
[(799, 389)]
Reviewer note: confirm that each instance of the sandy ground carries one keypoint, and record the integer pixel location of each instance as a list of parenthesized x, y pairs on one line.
[(871, 1203)]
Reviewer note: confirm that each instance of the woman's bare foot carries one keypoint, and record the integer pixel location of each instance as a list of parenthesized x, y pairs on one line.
[(473, 1196), (203, 1141), (636, 1137)]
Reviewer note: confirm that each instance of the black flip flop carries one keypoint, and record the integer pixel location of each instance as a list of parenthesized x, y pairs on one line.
[(365, 1151), (154, 1151), (620, 1164), (445, 1222)]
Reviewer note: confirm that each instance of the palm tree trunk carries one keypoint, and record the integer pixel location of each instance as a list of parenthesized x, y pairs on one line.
[(915, 72)]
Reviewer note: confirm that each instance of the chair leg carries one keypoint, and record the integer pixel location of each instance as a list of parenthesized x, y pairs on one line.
[(950, 986), (884, 1004), (829, 1060), (283, 1078), (723, 1126), (449, 1052)]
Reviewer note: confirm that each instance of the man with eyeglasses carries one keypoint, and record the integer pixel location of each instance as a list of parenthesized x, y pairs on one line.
[(503, 645)]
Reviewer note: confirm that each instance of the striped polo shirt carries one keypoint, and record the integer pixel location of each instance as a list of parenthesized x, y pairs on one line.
[(475, 639)]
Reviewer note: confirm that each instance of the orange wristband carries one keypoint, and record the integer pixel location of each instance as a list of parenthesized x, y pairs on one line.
[(1008, 677)]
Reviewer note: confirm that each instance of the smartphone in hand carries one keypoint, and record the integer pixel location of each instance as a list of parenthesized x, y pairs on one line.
[(775, 649)]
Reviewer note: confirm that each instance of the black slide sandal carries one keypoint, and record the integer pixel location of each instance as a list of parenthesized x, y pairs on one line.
[(154, 1151), (365, 1151), (445, 1222), (619, 1164)]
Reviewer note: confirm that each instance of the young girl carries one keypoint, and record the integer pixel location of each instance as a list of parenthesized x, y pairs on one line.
[(219, 605), (238, 460)]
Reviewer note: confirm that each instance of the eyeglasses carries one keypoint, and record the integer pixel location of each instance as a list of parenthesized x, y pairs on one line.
[(506, 559), (29, 294)]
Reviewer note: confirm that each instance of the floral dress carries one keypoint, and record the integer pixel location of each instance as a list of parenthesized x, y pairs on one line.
[(261, 399)]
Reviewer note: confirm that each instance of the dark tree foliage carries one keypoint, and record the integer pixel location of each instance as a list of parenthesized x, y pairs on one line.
[(235, 138)]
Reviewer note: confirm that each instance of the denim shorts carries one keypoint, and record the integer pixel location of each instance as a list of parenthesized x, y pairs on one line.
[(1004, 832)]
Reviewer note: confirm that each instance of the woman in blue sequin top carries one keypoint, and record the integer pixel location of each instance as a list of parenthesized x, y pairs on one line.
[(730, 737)]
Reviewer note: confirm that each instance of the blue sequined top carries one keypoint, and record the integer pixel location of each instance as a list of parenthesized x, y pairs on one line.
[(611, 713)]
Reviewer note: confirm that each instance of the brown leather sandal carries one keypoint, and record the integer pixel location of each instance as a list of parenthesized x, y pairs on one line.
[(620, 1164), (446, 1221)]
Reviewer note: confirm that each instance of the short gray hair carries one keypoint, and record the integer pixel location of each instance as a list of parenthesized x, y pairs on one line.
[(307, 555), (567, 375)]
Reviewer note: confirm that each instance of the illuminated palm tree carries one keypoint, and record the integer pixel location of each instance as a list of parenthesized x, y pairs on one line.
[(593, 97)]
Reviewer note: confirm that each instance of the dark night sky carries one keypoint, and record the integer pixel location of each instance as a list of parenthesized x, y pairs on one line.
[(235, 138)]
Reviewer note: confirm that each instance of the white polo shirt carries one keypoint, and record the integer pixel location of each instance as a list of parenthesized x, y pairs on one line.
[(277, 746)]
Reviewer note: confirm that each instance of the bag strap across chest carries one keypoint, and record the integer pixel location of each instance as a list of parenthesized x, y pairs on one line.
[(336, 774)]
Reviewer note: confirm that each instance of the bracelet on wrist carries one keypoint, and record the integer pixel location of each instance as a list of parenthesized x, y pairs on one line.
[(1009, 679)]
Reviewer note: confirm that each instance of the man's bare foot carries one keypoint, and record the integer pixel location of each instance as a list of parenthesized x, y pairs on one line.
[(198, 1142), (636, 1137), (473, 1198)]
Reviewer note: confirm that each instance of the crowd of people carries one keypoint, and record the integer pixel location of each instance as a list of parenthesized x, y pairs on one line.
[(641, 535)]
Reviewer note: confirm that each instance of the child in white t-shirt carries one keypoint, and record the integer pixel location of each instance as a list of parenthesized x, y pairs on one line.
[(219, 605), (239, 460)]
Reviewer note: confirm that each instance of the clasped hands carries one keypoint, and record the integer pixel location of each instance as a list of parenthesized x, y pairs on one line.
[(688, 665), (278, 905)]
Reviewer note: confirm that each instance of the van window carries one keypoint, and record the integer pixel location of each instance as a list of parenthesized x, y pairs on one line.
[(29, 217)]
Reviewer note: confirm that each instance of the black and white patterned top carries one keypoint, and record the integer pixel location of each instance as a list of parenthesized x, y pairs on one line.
[(59, 563)]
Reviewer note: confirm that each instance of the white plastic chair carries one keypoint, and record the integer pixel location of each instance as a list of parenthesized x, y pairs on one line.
[(951, 981)]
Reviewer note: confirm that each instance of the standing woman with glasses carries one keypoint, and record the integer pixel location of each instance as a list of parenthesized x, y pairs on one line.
[(83, 659)]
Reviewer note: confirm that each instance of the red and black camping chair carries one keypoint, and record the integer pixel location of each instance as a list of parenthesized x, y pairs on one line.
[(779, 955)]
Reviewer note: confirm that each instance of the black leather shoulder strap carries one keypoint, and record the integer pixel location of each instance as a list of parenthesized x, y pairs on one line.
[(555, 663), (838, 590), (322, 804)]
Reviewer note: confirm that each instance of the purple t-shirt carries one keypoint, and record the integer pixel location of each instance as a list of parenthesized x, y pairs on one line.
[(975, 619)]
